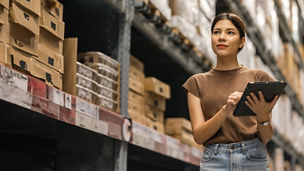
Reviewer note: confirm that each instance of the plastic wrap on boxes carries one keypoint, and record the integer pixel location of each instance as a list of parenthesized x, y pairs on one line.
[(184, 26), (163, 7), (185, 9), (85, 93), (207, 7), (86, 71), (104, 70), (107, 103), (98, 57), (86, 82), (247, 54)]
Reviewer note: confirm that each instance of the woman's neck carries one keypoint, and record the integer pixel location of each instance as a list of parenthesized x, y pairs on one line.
[(227, 63)]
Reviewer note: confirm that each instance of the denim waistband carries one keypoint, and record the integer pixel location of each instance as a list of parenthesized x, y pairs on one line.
[(243, 144)]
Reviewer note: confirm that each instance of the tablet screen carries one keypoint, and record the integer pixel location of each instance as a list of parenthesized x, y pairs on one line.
[(269, 89)]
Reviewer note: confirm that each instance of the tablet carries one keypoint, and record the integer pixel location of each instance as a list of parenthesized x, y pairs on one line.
[(269, 89)]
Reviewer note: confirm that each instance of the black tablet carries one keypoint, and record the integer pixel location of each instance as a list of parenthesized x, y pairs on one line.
[(269, 89)]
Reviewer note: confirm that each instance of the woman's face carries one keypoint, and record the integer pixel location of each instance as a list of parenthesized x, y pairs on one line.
[(226, 39)]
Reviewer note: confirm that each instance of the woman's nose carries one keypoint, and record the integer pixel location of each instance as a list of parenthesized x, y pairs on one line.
[(222, 37)]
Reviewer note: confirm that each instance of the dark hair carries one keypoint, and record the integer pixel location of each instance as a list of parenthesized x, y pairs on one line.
[(235, 20)]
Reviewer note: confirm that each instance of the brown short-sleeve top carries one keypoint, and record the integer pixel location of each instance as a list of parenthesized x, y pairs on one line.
[(213, 88)]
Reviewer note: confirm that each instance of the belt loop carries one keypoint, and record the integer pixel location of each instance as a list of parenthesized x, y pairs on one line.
[(216, 148)]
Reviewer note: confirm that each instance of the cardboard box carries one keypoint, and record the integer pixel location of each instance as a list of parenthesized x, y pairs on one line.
[(155, 101), (24, 19), (46, 73), (23, 39), (134, 62), (185, 137), (136, 86), (52, 24), (5, 3), (177, 126), (157, 126), (156, 86), (21, 59), (50, 58), (4, 34), (70, 58), (136, 108), (49, 40), (154, 114), (33, 6), (136, 98), (108, 103), (53, 7), (136, 74), (138, 118), (3, 16), (3, 54)]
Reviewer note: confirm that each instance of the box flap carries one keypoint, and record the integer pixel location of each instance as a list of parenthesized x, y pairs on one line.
[(52, 24), (4, 34), (20, 59), (3, 16), (70, 70), (5, 3), (46, 73), (23, 40), (33, 6), (54, 7), (50, 58), (25, 19)]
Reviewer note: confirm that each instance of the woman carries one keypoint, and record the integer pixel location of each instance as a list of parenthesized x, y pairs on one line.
[(231, 143)]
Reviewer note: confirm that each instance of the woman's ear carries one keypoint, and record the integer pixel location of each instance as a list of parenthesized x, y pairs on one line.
[(242, 43)]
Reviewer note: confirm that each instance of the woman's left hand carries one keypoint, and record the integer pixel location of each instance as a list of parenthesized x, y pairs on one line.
[(260, 107)]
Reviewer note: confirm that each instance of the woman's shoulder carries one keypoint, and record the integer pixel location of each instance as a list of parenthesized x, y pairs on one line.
[(260, 74)]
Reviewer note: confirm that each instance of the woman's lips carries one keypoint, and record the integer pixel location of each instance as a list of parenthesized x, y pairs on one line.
[(221, 46)]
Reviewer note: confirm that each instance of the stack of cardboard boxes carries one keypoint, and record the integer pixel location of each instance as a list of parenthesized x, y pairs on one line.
[(4, 30), (136, 100), (180, 128), (97, 80), (147, 97), (34, 32), (156, 93)]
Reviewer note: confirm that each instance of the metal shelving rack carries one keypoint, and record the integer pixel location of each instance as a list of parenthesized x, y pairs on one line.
[(110, 151)]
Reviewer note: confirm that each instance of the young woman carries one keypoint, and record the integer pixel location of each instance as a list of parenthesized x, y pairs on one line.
[(231, 143)]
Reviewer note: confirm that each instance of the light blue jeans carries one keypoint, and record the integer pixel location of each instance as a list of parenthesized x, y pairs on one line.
[(244, 156)]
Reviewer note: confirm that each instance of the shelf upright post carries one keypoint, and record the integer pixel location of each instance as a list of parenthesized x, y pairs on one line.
[(124, 41)]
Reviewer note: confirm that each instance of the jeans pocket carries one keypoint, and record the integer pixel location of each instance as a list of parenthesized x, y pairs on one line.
[(207, 155), (258, 154)]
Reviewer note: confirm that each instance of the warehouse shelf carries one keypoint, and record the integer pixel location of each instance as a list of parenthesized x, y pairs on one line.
[(163, 144), (256, 37), (286, 33), (165, 41), (55, 116)]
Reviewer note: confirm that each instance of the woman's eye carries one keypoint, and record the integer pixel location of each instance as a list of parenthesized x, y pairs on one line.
[(216, 32), (230, 32)]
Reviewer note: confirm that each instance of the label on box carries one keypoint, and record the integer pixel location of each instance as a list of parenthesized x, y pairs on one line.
[(101, 126), (83, 106), (141, 136), (157, 137), (15, 95), (13, 78), (173, 148), (56, 96), (95, 111), (83, 120), (196, 152), (68, 101)]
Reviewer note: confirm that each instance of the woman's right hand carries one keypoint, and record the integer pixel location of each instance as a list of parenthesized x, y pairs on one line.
[(232, 101)]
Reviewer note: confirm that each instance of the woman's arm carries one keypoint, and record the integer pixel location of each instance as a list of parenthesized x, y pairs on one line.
[(265, 131), (203, 130), (263, 111)]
